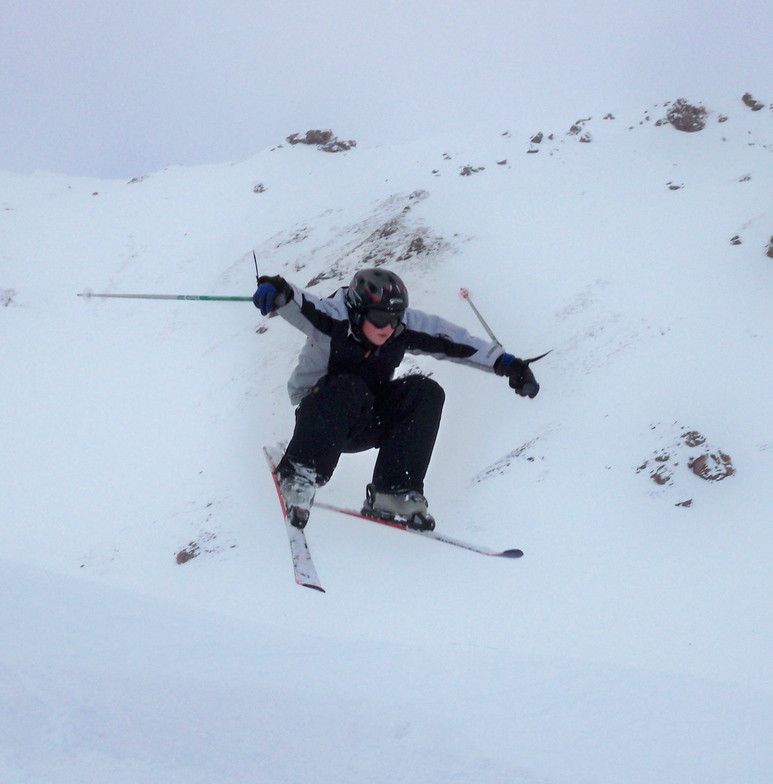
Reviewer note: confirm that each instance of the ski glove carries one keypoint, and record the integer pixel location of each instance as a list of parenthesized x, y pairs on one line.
[(272, 293), (521, 378)]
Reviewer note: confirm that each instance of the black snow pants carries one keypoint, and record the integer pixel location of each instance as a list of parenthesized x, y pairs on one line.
[(341, 414)]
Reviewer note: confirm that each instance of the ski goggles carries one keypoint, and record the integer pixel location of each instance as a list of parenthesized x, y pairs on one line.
[(383, 318)]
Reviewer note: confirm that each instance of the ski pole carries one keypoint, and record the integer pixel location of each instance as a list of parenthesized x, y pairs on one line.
[(88, 294), (465, 294), (204, 297)]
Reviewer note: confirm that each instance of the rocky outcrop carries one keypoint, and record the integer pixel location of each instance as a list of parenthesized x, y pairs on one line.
[(687, 117), (323, 140)]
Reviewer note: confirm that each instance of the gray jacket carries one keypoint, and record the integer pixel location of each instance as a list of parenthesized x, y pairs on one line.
[(333, 347)]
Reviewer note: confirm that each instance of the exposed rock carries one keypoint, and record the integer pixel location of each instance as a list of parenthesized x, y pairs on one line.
[(694, 438), (311, 137), (754, 105), (576, 129), (417, 246), (713, 467), (323, 140), (419, 195), (393, 235), (662, 476), (692, 449), (770, 248), (687, 117), (206, 545), (337, 145), (187, 553), (661, 473)]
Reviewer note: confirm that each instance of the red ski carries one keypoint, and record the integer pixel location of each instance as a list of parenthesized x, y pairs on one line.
[(475, 548)]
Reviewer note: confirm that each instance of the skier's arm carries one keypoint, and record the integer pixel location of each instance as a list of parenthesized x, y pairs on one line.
[(428, 334), (301, 309)]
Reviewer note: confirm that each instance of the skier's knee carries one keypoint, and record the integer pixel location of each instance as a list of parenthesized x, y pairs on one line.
[(426, 389), (434, 389)]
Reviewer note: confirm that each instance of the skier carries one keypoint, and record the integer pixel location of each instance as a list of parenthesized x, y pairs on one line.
[(348, 401)]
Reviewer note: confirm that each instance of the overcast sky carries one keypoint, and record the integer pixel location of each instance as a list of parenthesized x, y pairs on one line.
[(118, 89)]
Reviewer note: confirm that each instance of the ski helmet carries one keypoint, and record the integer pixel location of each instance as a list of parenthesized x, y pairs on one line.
[(376, 289)]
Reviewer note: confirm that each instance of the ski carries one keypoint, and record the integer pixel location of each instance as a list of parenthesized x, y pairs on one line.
[(475, 548), (303, 566)]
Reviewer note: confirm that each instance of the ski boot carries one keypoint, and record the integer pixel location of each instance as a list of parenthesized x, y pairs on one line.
[(406, 507), (297, 484)]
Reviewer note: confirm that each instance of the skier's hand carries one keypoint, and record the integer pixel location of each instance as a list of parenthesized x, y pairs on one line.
[(519, 373), (272, 293)]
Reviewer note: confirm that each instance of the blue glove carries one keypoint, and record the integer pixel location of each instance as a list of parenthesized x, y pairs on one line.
[(272, 293), (264, 297), (521, 378)]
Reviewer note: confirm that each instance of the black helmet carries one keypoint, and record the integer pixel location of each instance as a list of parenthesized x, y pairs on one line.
[(376, 289)]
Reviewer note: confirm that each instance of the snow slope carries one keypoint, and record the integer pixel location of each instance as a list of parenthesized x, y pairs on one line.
[(632, 641)]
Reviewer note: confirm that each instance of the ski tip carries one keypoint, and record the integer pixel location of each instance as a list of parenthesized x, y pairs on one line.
[(314, 586), (511, 554)]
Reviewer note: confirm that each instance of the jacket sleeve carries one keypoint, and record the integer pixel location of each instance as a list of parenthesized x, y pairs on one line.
[(432, 335), (311, 314)]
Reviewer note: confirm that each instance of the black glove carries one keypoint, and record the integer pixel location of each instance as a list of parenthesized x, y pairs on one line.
[(521, 378), (272, 292)]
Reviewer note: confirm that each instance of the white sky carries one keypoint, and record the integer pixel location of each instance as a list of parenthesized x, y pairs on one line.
[(93, 87)]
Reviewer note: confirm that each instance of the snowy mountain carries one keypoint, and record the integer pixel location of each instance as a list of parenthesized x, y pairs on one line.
[(152, 631)]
